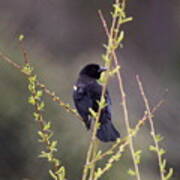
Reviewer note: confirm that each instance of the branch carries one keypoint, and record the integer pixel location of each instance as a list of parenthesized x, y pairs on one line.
[(121, 86), (156, 137), (50, 93)]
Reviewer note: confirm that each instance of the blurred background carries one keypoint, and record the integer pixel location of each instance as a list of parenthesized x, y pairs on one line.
[(61, 36)]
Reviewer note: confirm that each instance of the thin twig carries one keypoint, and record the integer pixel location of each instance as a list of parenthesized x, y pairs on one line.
[(50, 93), (24, 52), (153, 132), (135, 129), (123, 143), (93, 138), (9, 61), (123, 95)]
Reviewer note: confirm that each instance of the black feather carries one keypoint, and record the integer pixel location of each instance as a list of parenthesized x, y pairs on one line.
[(87, 92)]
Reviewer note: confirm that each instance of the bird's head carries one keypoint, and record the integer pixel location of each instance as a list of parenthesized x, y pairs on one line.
[(93, 71)]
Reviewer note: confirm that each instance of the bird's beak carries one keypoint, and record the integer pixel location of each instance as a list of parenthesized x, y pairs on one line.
[(102, 69)]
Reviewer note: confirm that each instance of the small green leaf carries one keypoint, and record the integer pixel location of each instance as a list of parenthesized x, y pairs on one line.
[(31, 100), (98, 173), (61, 172), (21, 37), (158, 137), (116, 157), (32, 87), (114, 71), (53, 175), (125, 20), (170, 174), (163, 165), (27, 69), (36, 116), (102, 104), (93, 113), (45, 155), (102, 79), (105, 58), (40, 106), (131, 172), (162, 151), (98, 154), (152, 148), (120, 38), (41, 134), (47, 126), (119, 11), (39, 94), (138, 156), (56, 162), (53, 146), (32, 79), (108, 165)]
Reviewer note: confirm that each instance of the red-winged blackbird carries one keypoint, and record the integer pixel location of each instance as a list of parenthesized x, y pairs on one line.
[(87, 92)]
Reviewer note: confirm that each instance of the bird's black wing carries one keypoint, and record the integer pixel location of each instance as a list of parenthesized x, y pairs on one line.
[(106, 132), (86, 96), (83, 102), (95, 92)]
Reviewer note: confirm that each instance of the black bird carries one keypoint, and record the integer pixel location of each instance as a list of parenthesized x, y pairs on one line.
[(86, 94)]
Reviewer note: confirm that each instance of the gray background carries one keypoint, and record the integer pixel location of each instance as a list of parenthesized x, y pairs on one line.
[(61, 37)]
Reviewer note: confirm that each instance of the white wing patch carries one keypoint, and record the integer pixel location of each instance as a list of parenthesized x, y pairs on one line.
[(75, 88)]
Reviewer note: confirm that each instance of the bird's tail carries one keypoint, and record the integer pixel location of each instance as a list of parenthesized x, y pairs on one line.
[(107, 132)]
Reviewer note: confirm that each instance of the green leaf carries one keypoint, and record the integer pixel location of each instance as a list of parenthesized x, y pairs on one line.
[(125, 20), (131, 172), (47, 126), (31, 100), (114, 71), (138, 156), (41, 134), (31, 87), (108, 165), (98, 154), (36, 116), (39, 94), (98, 173), (46, 155), (53, 146), (56, 162), (159, 138), (162, 151), (40, 106), (120, 38), (116, 157), (93, 113), (49, 135), (102, 79), (119, 11), (27, 69), (152, 148), (53, 175), (105, 58), (102, 104), (32, 79), (170, 174), (61, 172), (163, 165), (21, 37)]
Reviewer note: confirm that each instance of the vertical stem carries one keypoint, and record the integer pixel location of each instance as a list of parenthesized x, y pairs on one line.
[(91, 177), (153, 132), (126, 118), (122, 91), (92, 143)]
